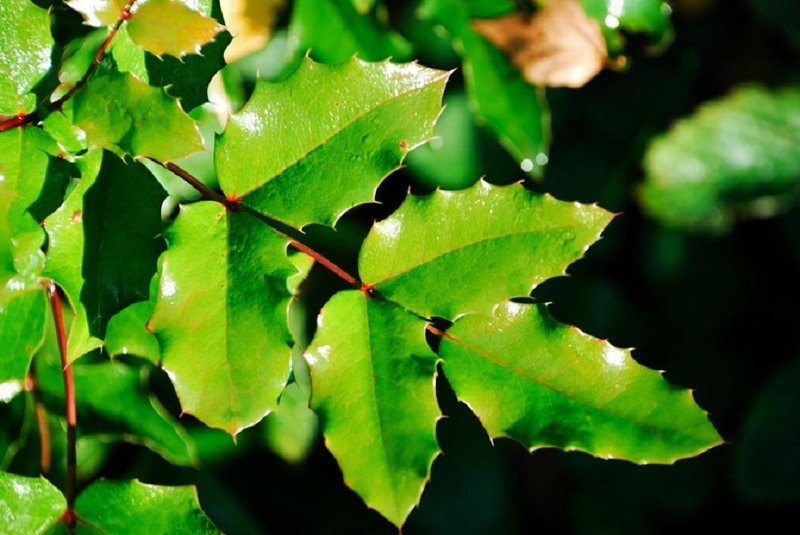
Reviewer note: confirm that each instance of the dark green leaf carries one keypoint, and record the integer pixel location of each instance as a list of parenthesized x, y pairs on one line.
[(372, 377)]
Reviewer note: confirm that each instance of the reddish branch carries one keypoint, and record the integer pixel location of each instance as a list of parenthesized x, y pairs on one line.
[(69, 397), (29, 118), (41, 420)]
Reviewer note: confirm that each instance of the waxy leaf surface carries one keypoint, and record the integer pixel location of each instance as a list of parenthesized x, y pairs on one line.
[(128, 507), (25, 46), (220, 315), (171, 27), (372, 380), (123, 114), (30, 505), (307, 160), (545, 384), (104, 244), (738, 156), (455, 252)]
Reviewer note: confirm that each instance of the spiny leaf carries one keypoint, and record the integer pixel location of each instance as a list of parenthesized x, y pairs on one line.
[(123, 114), (544, 384), (99, 12), (25, 45), (29, 504), (128, 506), (308, 160), (222, 327), (104, 242), (738, 156), (171, 27), (372, 387), (454, 252), (512, 108)]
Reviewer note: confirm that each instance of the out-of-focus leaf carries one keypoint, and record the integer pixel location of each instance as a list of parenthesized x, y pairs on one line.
[(250, 22), (25, 45), (171, 27), (735, 157), (544, 384), (327, 153), (783, 15), (99, 12), (128, 507), (222, 327), (372, 377), (30, 505), (22, 323), (291, 429), (455, 252), (514, 110), (104, 243), (123, 114), (127, 334)]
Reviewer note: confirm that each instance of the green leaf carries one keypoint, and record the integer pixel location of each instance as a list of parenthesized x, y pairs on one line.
[(372, 377), (104, 244), (127, 334), (22, 323), (326, 154), (128, 507), (642, 16), (738, 156), (454, 252), (514, 110), (222, 327), (290, 431), (171, 27), (29, 504), (114, 404), (544, 384), (123, 114), (25, 46), (334, 31), (99, 12)]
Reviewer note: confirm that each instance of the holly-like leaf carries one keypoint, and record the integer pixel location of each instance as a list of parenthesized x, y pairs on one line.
[(544, 384), (123, 114), (514, 110), (25, 46), (99, 12), (29, 504), (738, 156), (473, 248), (171, 27), (308, 160), (222, 328), (104, 243), (372, 378), (128, 506)]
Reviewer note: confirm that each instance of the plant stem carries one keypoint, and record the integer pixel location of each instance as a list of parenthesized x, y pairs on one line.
[(69, 396), (32, 386)]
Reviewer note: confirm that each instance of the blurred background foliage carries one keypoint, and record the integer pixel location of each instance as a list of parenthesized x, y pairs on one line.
[(695, 143)]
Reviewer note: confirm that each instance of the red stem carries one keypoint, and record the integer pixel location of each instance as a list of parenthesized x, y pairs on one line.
[(32, 386), (69, 397)]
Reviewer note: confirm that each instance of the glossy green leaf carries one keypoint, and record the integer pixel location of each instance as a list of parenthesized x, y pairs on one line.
[(220, 315), (333, 31), (307, 160), (372, 377), (104, 244), (22, 323), (129, 507), (455, 252), (99, 12), (171, 27), (25, 46), (735, 157), (514, 110), (30, 505), (127, 334), (123, 114), (545, 384), (114, 405)]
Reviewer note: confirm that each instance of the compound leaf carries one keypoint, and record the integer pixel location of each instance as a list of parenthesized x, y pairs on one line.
[(29, 504), (373, 389), (307, 160), (222, 327), (544, 384), (430, 254), (123, 506)]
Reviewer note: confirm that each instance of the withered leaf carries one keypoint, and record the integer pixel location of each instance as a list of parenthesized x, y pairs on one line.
[(557, 46)]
